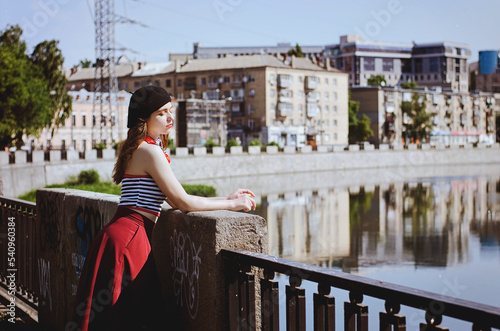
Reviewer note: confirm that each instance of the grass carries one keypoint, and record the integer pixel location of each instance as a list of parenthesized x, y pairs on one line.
[(82, 183)]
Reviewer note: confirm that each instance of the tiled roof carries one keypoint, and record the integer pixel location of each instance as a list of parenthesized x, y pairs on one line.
[(122, 70), (151, 69)]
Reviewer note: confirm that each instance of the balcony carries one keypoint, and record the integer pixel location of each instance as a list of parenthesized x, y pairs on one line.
[(285, 109), (312, 110), (311, 82), (285, 98), (284, 81)]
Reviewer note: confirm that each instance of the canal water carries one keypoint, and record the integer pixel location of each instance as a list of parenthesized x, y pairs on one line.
[(432, 230)]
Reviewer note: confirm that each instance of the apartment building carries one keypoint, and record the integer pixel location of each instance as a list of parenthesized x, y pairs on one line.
[(85, 127), (457, 118), (287, 100), (431, 64)]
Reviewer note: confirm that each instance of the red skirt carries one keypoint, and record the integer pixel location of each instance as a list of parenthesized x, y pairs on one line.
[(119, 287)]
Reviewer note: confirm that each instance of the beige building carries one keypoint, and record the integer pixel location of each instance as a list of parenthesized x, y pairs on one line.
[(457, 118), (85, 127), (289, 101)]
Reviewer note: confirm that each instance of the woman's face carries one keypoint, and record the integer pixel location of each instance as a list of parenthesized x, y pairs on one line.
[(161, 121)]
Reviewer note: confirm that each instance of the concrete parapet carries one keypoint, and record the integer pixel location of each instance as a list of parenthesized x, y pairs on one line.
[(90, 154), (253, 149), (440, 146), (21, 157), (199, 151), (468, 146), (495, 145), (482, 145), (72, 155), (412, 147), (425, 147), (108, 154), (369, 147), (186, 247), (397, 147), (383, 147), (289, 149), (454, 146), (4, 158), (181, 151), (338, 148), (353, 148), (218, 150), (306, 149), (271, 149), (38, 157), (56, 155), (236, 149)]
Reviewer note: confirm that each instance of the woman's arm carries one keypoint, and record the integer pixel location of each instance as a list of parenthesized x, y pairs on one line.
[(156, 165)]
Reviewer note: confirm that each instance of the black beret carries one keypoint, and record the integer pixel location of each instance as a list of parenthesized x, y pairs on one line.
[(145, 101)]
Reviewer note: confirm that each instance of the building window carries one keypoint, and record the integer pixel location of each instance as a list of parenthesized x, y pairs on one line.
[(335, 123), (434, 64), (326, 81), (335, 82), (84, 120), (406, 66), (251, 93), (168, 83), (301, 79), (327, 109), (271, 92), (203, 81), (227, 79), (272, 79), (335, 109), (137, 85), (334, 95), (300, 94), (418, 65), (335, 136), (327, 96), (73, 120), (251, 78), (369, 63), (300, 109), (318, 95), (388, 65), (251, 108), (179, 82)]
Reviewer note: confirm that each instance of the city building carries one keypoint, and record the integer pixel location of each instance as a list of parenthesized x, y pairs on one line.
[(432, 64), (81, 131), (457, 118), (200, 52), (485, 75), (287, 100)]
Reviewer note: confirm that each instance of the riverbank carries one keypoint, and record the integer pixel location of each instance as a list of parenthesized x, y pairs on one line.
[(203, 168)]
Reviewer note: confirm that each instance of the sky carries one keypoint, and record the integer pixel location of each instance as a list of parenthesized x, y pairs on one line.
[(164, 27)]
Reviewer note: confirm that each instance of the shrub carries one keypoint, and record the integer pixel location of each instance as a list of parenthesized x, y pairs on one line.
[(88, 177), (255, 142), (100, 146), (273, 143), (210, 143), (232, 142), (200, 190)]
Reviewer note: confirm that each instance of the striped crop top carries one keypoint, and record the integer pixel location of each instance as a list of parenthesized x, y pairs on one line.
[(142, 192)]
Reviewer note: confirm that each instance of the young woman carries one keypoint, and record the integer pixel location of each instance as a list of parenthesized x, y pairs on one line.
[(118, 287)]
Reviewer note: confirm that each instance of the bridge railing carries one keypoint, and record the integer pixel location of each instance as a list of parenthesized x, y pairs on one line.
[(241, 294), (17, 248)]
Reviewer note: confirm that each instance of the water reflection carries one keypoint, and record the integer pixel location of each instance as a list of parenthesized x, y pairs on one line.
[(427, 222)]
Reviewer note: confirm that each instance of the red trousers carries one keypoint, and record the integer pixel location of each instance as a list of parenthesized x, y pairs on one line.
[(119, 287)]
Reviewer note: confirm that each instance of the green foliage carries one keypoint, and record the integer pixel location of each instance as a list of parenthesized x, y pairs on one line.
[(200, 190), (359, 205), (85, 63), (232, 142), (88, 177), (377, 80), (297, 51), (32, 88), (409, 85), (273, 143), (418, 122), (255, 142), (116, 145), (210, 143), (359, 128), (100, 146)]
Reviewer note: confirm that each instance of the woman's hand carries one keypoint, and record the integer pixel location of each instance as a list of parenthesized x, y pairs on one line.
[(236, 194), (243, 199)]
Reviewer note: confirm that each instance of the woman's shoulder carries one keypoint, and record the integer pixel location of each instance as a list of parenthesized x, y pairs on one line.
[(148, 150)]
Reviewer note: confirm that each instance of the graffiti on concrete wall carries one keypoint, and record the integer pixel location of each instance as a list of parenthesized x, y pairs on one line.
[(88, 222), (45, 288), (50, 234), (186, 263)]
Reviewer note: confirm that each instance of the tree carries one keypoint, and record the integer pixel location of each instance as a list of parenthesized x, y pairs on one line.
[(417, 123), (377, 80), (359, 128), (32, 88), (85, 63), (409, 85), (297, 51)]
